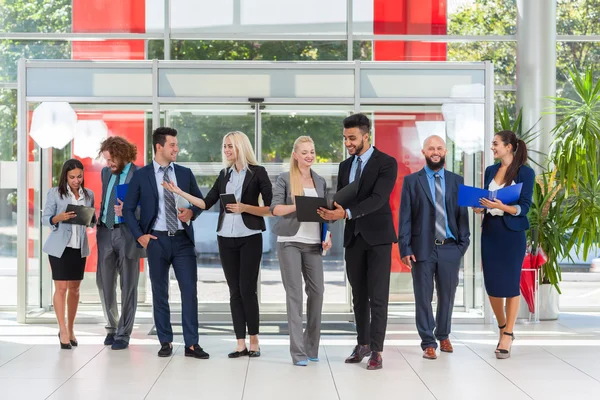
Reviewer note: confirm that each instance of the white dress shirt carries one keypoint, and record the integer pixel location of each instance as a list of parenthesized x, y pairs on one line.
[(76, 230)]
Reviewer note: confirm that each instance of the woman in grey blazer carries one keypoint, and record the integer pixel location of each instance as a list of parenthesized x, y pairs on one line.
[(67, 245), (299, 248)]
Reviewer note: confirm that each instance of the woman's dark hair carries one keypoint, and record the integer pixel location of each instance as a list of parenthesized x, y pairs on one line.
[(519, 154), (68, 166)]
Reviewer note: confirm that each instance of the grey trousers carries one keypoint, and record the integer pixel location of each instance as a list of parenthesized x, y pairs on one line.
[(112, 262), (297, 260)]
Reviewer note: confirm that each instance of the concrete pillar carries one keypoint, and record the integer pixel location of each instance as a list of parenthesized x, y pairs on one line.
[(536, 68)]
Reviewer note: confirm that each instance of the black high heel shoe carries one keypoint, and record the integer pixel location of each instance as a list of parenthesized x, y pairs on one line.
[(64, 346), (500, 327), (503, 354), (73, 343)]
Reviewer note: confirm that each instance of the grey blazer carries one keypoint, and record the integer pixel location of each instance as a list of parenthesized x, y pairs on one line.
[(133, 251), (288, 225), (60, 234)]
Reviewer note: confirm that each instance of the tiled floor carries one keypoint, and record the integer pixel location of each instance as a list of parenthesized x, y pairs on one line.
[(550, 360)]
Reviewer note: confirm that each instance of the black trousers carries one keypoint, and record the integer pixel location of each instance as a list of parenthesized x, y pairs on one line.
[(368, 269), (240, 258)]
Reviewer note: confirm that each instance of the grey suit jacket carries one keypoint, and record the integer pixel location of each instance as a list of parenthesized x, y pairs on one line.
[(60, 234), (288, 225), (132, 250)]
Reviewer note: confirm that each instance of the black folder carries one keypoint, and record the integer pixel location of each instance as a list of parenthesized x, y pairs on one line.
[(306, 208), (228, 198), (84, 215), (346, 196)]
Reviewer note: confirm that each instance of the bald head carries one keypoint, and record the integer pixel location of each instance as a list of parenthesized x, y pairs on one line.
[(434, 150), (434, 140)]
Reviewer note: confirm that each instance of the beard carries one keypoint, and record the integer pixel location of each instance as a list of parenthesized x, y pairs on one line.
[(359, 148), (435, 165), (120, 167)]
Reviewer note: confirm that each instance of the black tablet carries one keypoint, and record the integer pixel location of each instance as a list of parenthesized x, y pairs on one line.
[(84, 215), (227, 198), (346, 196)]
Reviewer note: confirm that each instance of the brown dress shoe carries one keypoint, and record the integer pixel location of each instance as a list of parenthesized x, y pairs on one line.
[(429, 353), (359, 352), (446, 346), (375, 362)]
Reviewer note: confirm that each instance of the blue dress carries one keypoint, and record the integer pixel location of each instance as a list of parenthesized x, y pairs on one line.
[(503, 240)]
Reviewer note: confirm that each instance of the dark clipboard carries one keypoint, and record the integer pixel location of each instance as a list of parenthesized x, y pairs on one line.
[(227, 198), (306, 208), (84, 215), (346, 196)]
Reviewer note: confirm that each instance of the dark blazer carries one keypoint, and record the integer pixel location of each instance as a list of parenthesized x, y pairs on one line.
[(133, 251), (371, 211), (143, 190), (417, 215), (526, 175), (255, 183)]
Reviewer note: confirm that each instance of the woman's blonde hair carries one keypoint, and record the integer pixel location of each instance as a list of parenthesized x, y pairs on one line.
[(297, 188), (242, 149)]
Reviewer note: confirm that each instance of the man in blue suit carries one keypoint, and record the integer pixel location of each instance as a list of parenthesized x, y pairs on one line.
[(433, 237), (165, 231)]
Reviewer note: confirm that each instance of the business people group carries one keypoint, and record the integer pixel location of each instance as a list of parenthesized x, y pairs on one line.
[(152, 221)]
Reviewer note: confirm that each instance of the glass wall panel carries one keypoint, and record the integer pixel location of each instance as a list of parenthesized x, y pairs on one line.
[(578, 55), (281, 125), (8, 197), (577, 17), (200, 137), (482, 17), (502, 54), (35, 16), (12, 50), (258, 16), (401, 130), (267, 50)]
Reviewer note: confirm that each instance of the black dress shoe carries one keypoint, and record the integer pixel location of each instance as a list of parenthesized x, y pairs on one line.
[(237, 354), (64, 346), (359, 352), (73, 343), (253, 353), (196, 352), (165, 350), (109, 339)]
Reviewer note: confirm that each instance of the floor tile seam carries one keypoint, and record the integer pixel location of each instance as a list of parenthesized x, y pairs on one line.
[(17, 356), (498, 371), (163, 370), (75, 373), (415, 372), (331, 373), (569, 364)]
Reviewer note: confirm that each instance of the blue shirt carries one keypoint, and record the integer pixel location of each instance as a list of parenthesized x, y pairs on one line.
[(365, 159), (431, 180), (233, 224), (109, 188), (161, 219)]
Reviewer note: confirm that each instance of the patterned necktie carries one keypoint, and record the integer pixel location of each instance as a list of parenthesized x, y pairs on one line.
[(358, 169), (112, 201), (170, 207), (440, 212)]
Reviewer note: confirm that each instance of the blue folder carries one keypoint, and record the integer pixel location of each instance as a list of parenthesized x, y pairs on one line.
[(468, 196), (121, 193), (324, 232)]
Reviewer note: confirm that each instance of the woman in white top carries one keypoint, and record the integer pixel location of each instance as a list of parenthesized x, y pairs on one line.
[(299, 248), (67, 245)]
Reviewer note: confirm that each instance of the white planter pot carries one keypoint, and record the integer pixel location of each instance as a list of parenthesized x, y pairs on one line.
[(549, 303)]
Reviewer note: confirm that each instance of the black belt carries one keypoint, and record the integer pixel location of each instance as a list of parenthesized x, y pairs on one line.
[(443, 242), (167, 233)]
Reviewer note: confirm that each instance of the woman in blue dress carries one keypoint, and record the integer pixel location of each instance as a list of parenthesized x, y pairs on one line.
[(503, 241)]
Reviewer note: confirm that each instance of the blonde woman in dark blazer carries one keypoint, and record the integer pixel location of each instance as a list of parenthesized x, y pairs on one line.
[(299, 248), (67, 246)]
